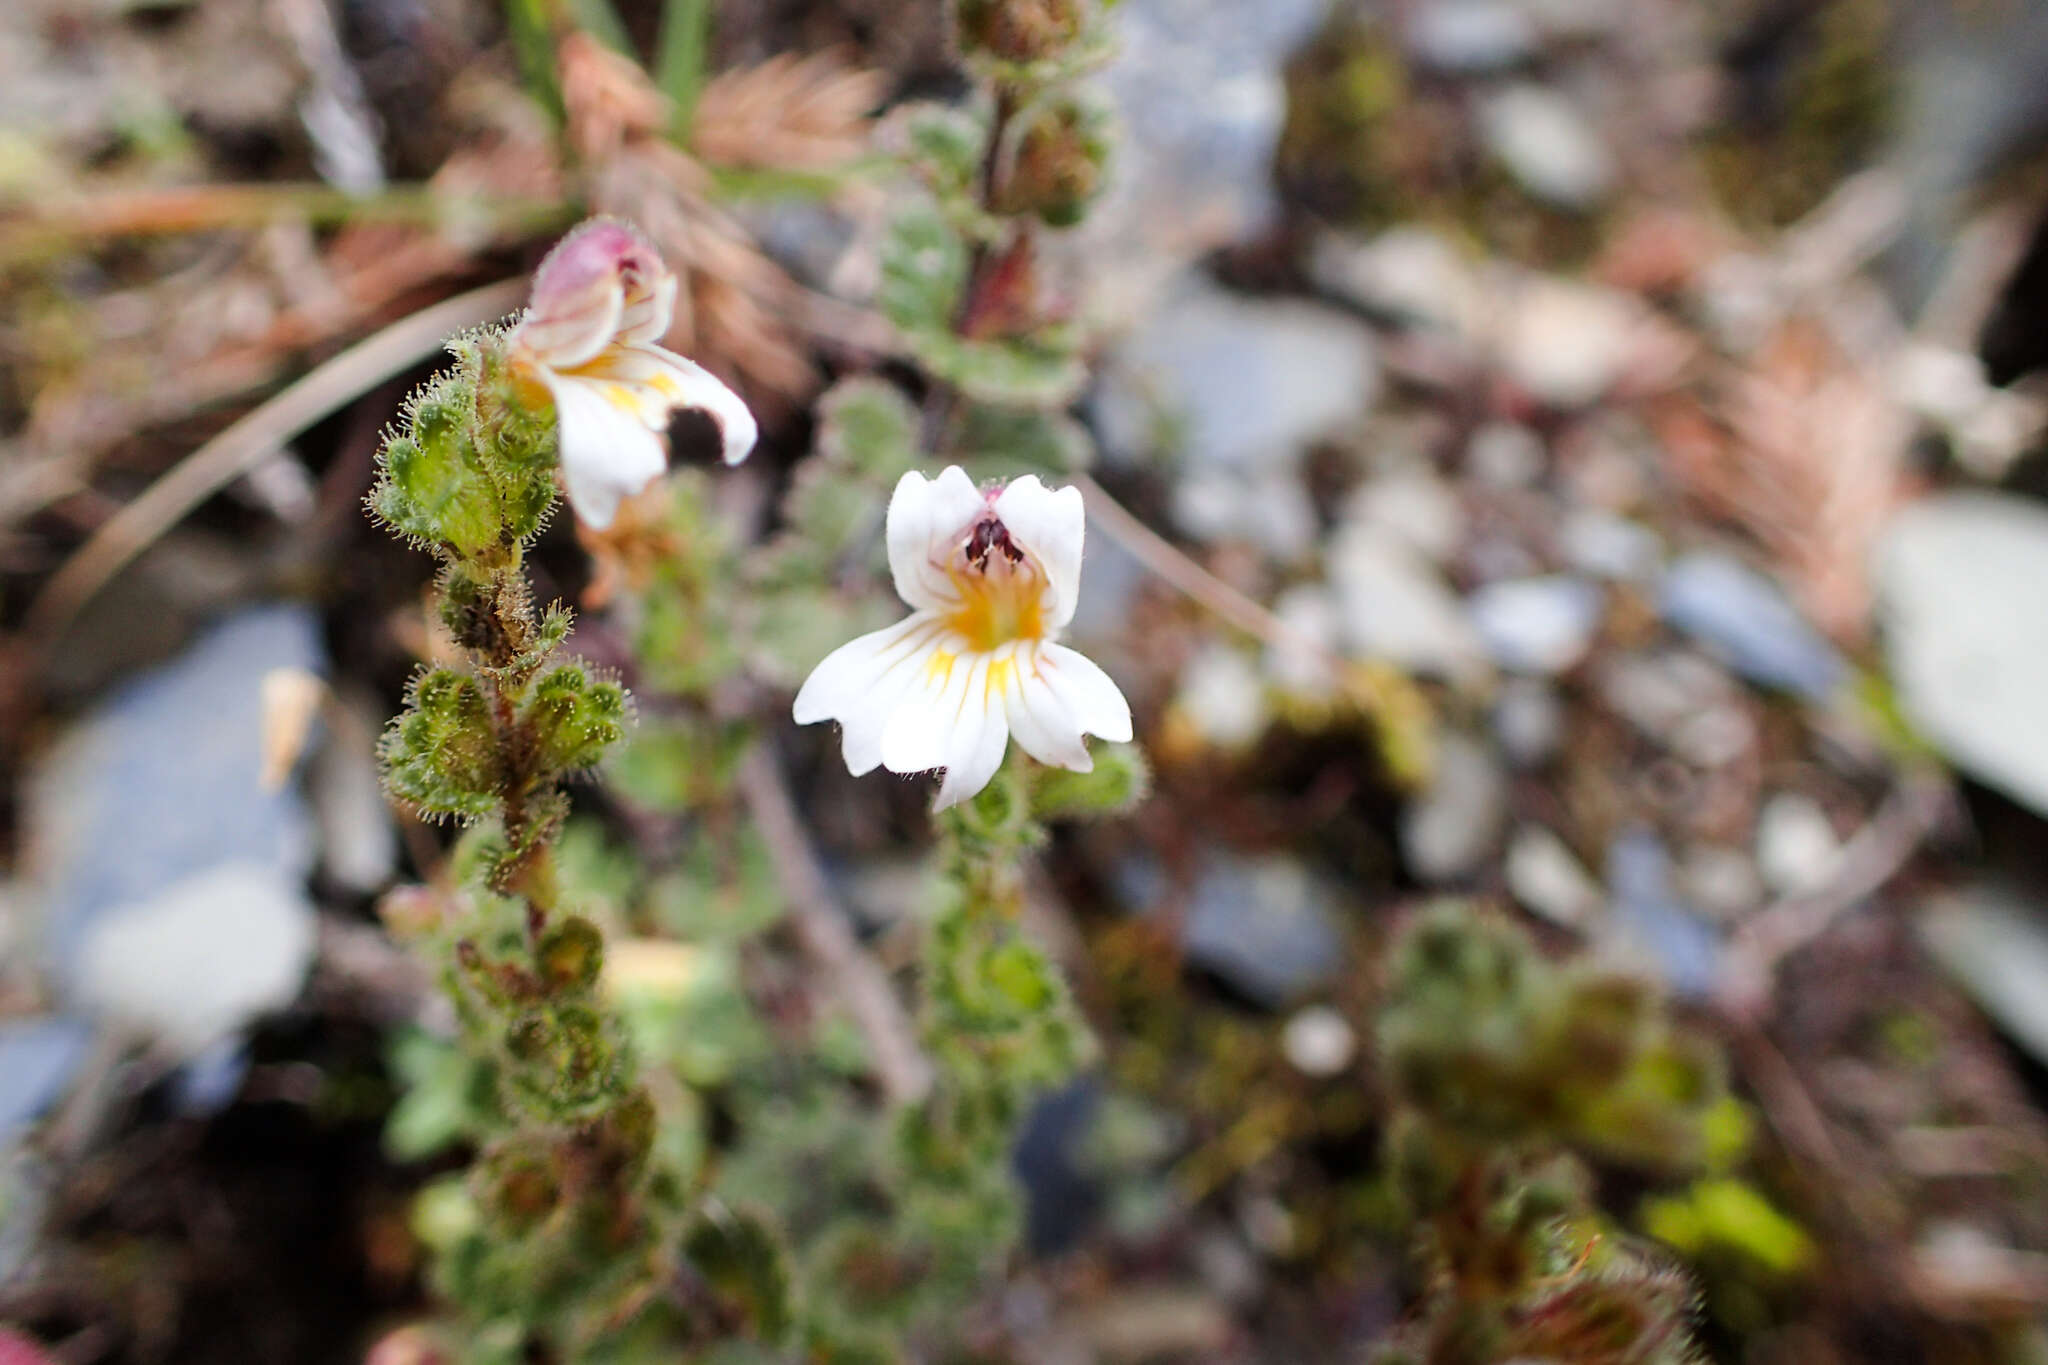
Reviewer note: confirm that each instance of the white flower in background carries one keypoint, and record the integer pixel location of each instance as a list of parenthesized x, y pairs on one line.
[(601, 300), (992, 575)]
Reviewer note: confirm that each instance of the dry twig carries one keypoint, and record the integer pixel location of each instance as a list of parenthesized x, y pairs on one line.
[(1870, 859), (248, 441), (824, 933), (1166, 560)]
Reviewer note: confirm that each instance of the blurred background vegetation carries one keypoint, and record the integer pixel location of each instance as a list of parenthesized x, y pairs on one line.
[(1565, 495)]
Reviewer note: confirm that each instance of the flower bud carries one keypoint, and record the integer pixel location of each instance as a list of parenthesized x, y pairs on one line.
[(1018, 30), (519, 1188), (1118, 782), (585, 289), (1058, 156), (412, 912), (571, 955)]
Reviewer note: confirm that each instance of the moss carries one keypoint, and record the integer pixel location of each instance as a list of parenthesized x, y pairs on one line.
[(1823, 118)]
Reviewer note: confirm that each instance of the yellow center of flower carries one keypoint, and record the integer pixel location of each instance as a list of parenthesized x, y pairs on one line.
[(1000, 601)]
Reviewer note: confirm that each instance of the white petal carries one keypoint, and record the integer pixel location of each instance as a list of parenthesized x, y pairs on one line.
[(927, 520), (1040, 720), (570, 335), (860, 683), (1086, 692), (978, 743), (655, 382), (579, 291), (607, 453), (919, 735), (649, 306), (1050, 524)]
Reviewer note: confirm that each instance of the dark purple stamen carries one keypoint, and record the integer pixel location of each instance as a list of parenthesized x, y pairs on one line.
[(990, 534)]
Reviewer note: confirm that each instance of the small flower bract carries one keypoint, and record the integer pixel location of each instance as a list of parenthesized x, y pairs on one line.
[(992, 575), (601, 301)]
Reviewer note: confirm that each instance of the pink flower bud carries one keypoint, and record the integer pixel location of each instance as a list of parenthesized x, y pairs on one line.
[(604, 283)]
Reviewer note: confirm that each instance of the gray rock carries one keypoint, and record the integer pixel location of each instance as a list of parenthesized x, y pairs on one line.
[(1111, 579), (1797, 849), (1300, 663), (1398, 608), (807, 237), (1266, 508), (1268, 926), (1206, 105), (1577, 19), (171, 882), (1743, 617), (1411, 505), (358, 841), (1608, 546), (1562, 342), (1658, 692), (1722, 882), (1648, 919), (1318, 1041), (1528, 722), (1537, 625), (1715, 737), (1505, 455), (1466, 36), (1548, 145), (38, 1058), (1412, 275), (1447, 832), (881, 892), (1546, 878), (1236, 383), (199, 959), (1496, 556), (1959, 582), (1223, 697), (1227, 1266), (1994, 941), (210, 1081)]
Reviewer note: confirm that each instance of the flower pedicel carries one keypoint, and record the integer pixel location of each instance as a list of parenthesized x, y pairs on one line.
[(601, 301), (992, 575)]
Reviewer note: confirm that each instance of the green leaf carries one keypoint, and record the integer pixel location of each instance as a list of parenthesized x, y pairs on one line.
[(1729, 1215), (674, 764), (573, 717), (680, 61), (602, 22), (1043, 370), (446, 1099), (868, 425), (440, 754), (924, 270), (834, 510), (945, 145), (1021, 441), (723, 890), (1119, 781), (798, 626), (744, 1268), (533, 48)]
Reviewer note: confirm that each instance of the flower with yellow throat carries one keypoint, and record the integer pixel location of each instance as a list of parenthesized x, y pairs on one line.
[(992, 575)]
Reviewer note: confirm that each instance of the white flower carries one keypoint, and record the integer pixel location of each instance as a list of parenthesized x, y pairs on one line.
[(601, 300), (993, 576)]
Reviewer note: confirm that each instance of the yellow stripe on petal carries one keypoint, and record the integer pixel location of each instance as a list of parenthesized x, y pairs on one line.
[(996, 681)]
